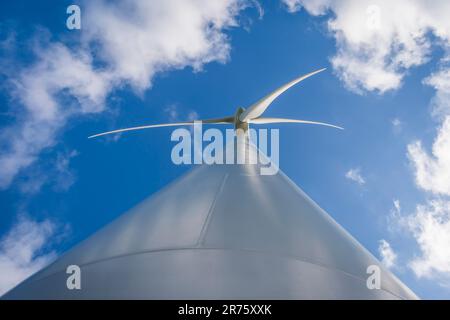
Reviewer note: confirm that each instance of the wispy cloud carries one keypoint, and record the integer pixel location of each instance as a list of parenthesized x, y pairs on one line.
[(57, 173), (65, 177), (397, 207), (355, 175), (387, 254), (177, 113), (25, 249), (397, 124)]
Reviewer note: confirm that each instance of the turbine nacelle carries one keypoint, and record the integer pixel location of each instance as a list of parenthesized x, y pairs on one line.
[(243, 117), (238, 124)]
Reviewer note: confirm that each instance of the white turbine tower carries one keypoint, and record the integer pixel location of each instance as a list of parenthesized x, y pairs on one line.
[(220, 232)]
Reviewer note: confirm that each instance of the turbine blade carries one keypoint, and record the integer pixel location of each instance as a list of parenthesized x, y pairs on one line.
[(259, 107), (225, 120), (283, 120)]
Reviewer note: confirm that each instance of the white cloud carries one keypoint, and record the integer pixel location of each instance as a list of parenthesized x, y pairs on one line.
[(395, 217), (397, 124), (387, 254), (355, 175), (39, 88), (56, 173), (64, 175), (139, 38), (430, 226), (24, 250), (317, 7), (176, 113), (379, 40), (192, 115), (132, 41), (292, 5), (172, 112), (397, 206), (432, 172), (440, 103)]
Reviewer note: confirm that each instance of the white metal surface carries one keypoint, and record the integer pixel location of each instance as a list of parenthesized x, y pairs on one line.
[(219, 232)]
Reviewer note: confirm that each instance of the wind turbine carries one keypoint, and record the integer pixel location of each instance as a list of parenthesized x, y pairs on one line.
[(220, 232), (242, 117)]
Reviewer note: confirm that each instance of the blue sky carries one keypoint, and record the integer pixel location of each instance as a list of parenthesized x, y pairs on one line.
[(387, 86)]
